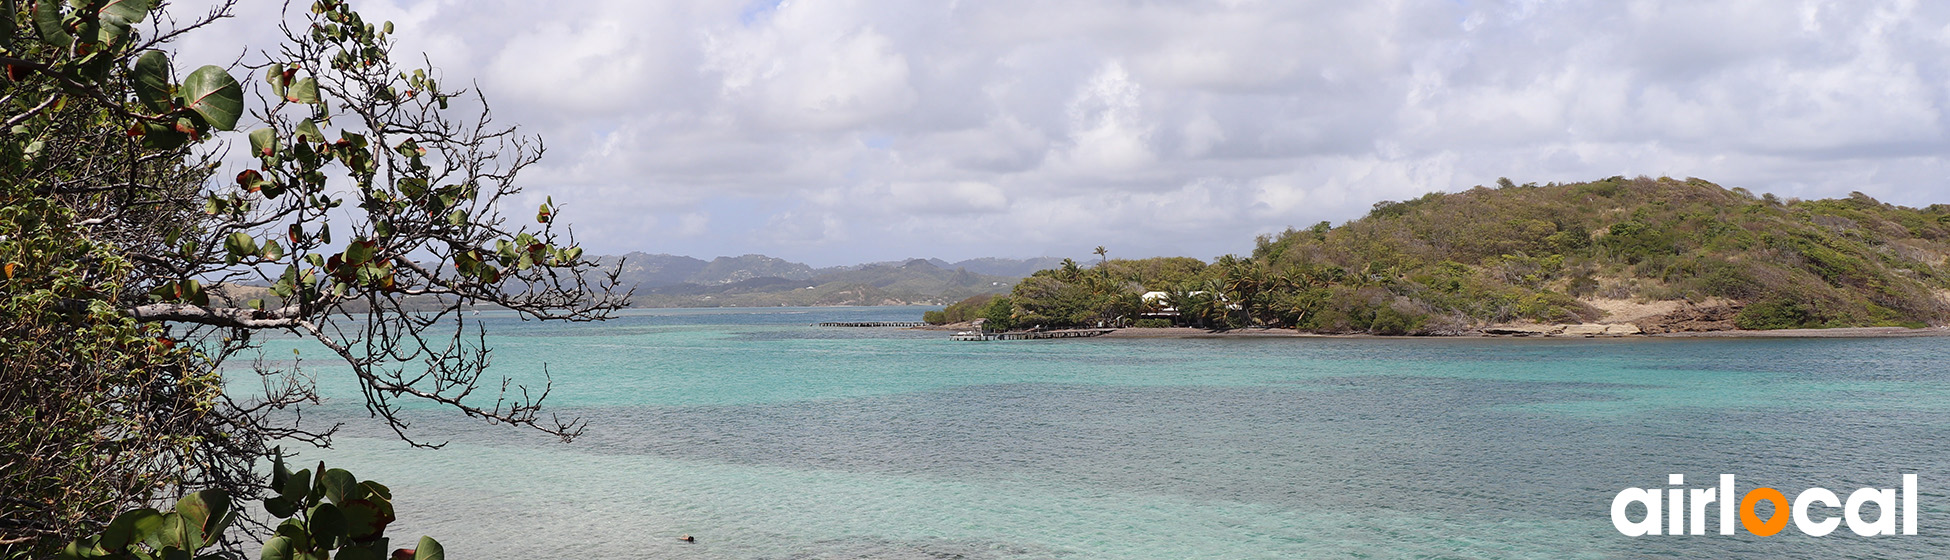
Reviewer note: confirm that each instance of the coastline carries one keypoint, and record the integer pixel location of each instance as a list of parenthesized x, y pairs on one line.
[(1843, 332)]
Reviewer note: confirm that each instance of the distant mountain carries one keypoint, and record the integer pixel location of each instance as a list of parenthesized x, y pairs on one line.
[(1018, 268), (725, 270), (663, 280), (647, 270), (640, 269)]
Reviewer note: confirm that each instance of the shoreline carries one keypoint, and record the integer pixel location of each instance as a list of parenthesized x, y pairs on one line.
[(1255, 333)]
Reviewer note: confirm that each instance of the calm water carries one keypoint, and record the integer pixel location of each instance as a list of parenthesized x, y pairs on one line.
[(768, 438)]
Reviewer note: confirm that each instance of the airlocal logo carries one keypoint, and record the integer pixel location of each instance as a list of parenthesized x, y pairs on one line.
[(1685, 510)]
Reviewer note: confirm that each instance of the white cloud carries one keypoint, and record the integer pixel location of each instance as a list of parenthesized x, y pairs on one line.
[(856, 130)]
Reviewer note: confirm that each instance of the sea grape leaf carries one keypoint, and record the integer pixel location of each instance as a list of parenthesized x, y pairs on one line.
[(215, 96), (429, 549), (47, 19), (303, 91), (152, 80)]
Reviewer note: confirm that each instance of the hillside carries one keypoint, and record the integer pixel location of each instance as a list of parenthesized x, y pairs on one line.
[(1683, 254)]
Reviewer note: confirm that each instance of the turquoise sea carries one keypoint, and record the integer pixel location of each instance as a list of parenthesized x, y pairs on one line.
[(765, 437)]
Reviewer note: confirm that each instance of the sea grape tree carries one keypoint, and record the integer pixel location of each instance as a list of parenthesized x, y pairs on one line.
[(320, 514), (154, 221)]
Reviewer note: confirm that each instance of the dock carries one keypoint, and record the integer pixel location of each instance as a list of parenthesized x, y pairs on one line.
[(1032, 335), (896, 324)]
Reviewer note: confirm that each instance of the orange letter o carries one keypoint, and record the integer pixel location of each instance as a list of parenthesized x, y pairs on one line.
[(1751, 520)]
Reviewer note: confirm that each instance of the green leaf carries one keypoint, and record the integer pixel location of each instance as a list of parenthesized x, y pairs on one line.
[(367, 518), (274, 75), (297, 487), (152, 80), (380, 490), (293, 530), (309, 131), (278, 548), (273, 251), (429, 549), (279, 473), (358, 553), (47, 19), (158, 136), (206, 511), (280, 507), (177, 531), (132, 11), (215, 96), (114, 18), (303, 91), (341, 486), (79, 549), (193, 290), (130, 527), (357, 253), (239, 244), (264, 142), (7, 23), (327, 525)]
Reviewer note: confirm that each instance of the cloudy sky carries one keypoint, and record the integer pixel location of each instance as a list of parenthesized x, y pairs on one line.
[(842, 131)]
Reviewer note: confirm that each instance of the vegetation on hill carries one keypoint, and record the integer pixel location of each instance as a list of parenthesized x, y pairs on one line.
[(1450, 263)]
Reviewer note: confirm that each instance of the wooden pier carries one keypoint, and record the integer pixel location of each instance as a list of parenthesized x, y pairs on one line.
[(1033, 335), (872, 324)]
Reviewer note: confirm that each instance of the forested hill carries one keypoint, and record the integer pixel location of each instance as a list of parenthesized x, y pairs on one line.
[(1450, 263)]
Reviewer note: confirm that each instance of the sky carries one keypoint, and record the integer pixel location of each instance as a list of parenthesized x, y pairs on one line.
[(845, 131)]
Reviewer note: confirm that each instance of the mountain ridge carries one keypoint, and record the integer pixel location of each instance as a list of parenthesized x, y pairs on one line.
[(755, 280)]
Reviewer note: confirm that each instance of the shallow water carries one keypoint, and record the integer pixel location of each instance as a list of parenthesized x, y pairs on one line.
[(768, 438)]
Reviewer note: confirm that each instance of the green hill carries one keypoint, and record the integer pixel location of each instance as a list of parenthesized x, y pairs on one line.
[(1455, 262)]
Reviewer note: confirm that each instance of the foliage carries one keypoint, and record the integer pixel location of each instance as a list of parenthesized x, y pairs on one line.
[(961, 311), (123, 262), (1447, 262), (1776, 314), (95, 400), (333, 514), (197, 522), (999, 314), (1071, 295)]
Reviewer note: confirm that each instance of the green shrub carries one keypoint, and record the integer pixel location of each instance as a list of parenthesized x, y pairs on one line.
[(1776, 314), (1391, 321), (1152, 323)]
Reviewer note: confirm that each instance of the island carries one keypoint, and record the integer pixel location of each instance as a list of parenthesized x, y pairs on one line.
[(1612, 257)]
